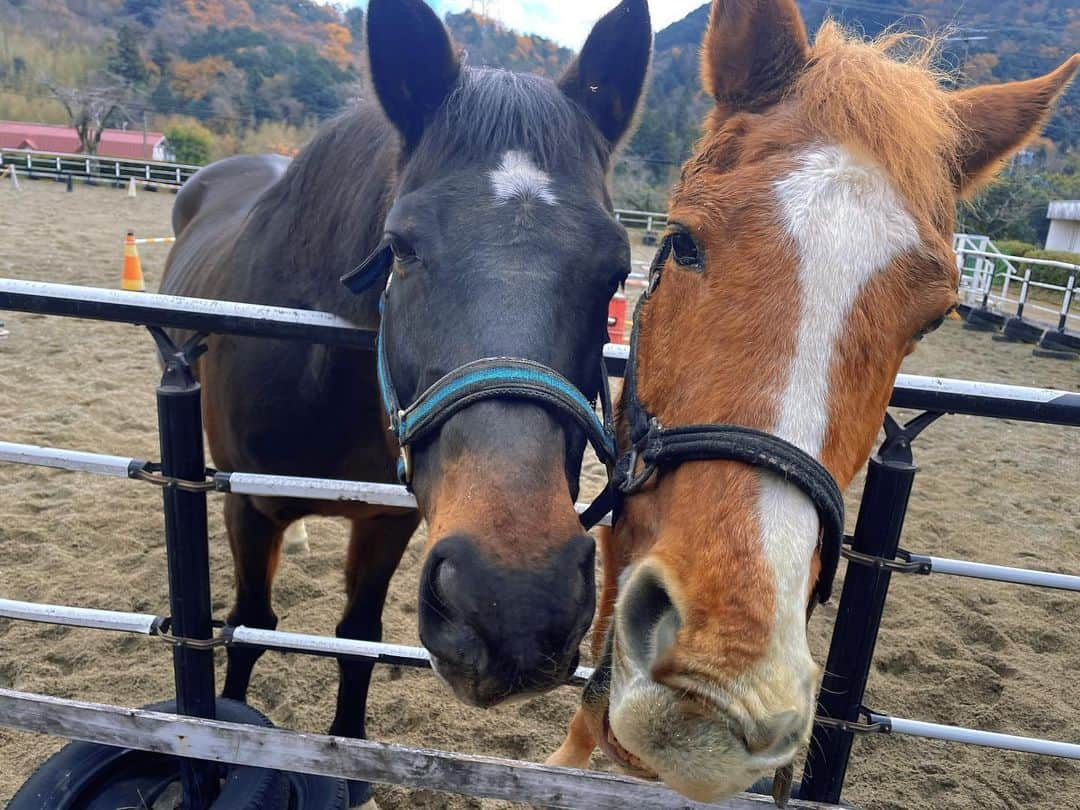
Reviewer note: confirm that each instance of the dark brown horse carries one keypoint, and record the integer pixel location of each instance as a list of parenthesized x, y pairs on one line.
[(490, 190)]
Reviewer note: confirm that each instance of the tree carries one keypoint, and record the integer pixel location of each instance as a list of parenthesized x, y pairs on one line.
[(161, 56), (190, 143), (145, 11), (126, 59), (93, 108)]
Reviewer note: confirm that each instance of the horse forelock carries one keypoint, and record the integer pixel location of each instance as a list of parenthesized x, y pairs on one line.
[(491, 112)]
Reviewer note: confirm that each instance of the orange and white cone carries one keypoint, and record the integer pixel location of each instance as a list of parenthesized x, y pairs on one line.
[(132, 279)]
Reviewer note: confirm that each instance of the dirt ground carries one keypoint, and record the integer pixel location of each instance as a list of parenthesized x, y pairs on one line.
[(953, 651)]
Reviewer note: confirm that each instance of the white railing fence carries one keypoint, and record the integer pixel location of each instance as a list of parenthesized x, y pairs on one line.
[(1016, 285), (59, 165)]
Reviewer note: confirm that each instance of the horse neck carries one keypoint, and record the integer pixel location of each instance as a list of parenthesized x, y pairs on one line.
[(324, 217)]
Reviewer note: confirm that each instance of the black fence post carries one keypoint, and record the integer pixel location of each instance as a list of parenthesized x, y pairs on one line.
[(188, 551), (877, 533)]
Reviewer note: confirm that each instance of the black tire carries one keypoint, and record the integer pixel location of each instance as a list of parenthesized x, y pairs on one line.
[(317, 793), (87, 776)]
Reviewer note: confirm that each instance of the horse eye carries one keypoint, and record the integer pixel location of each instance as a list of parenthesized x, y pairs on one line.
[(403, 251), (933, 326), (685, 250)]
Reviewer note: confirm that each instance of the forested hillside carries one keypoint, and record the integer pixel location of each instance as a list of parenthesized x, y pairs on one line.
[(985, 41), (222, 76), (229, 67)]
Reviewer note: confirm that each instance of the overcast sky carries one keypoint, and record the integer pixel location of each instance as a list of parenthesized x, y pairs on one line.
[(565, 21)]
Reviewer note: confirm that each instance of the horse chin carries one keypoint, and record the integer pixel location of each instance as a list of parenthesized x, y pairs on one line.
[(614, 751), (463, 687), (467, 688), (650, 733)]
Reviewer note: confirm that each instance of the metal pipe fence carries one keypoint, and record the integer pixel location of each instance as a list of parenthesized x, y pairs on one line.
[(874, 556)]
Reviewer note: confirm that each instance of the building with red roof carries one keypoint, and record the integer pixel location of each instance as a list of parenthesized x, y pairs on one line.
[(118, 143)]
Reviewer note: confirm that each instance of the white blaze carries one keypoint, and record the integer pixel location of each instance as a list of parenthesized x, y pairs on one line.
[(518, 178), (848, 225)]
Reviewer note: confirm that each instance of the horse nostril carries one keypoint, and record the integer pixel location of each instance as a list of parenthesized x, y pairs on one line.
[(445, 581), (650, 620)]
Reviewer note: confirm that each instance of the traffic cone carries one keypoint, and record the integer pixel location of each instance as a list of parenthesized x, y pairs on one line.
[(131, 187), (132, 279)]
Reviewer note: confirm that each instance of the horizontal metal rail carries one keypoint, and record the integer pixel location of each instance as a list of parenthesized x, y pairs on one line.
[(271, 486), (347, 758), (281, 641), (72, 460), (224, 317), (986, 739), (987, 254), (989, 400), (196, 314), (392, 654), (281, 486), (998, 573), (87, 618)]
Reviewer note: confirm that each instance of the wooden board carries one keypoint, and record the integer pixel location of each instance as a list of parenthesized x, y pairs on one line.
[(347, 758)]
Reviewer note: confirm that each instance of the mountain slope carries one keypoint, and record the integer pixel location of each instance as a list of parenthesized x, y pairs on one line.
[(987, 41), (235, 64)]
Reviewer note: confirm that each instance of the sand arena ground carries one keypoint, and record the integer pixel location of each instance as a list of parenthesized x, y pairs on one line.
[(988, 656)]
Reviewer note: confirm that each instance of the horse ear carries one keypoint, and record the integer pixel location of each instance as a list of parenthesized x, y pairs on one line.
[(413, 64), (608, 76), (753, 52), (999, 119)]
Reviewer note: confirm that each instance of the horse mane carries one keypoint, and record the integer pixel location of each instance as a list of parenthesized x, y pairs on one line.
[(886, 98)]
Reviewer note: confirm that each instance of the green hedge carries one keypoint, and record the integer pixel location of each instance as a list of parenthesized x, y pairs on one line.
[(1047, 275), (1014, 247)]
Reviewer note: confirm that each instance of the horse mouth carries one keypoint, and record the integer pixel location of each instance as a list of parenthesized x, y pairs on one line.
[(615, 751)]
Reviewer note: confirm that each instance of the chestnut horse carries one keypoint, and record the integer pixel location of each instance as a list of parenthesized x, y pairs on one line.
[(808, 251), (482, 194)]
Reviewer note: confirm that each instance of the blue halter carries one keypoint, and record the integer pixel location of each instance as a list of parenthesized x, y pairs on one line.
[(485, 379)]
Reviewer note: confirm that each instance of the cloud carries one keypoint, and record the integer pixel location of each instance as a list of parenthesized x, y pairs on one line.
[(568, 22)]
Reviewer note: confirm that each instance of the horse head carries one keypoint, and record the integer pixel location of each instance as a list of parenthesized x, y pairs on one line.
[(809, 251), (502, 251)]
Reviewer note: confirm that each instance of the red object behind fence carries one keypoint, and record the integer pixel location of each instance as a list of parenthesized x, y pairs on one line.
[(617, 319)]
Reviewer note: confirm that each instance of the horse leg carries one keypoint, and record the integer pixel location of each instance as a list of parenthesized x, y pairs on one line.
[(576, 750), (296, 539), (255, 540), (375, 549)]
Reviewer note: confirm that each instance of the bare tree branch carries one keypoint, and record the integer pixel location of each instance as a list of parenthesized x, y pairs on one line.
[(102, 100)]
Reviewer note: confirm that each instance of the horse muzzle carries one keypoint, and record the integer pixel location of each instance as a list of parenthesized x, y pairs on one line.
[(495, 633)]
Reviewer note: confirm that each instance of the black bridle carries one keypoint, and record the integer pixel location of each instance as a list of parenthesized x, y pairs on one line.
[(654, 449), (484, 379)]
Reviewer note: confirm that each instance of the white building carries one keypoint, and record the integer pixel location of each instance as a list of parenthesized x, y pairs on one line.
[(1064, 217)]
